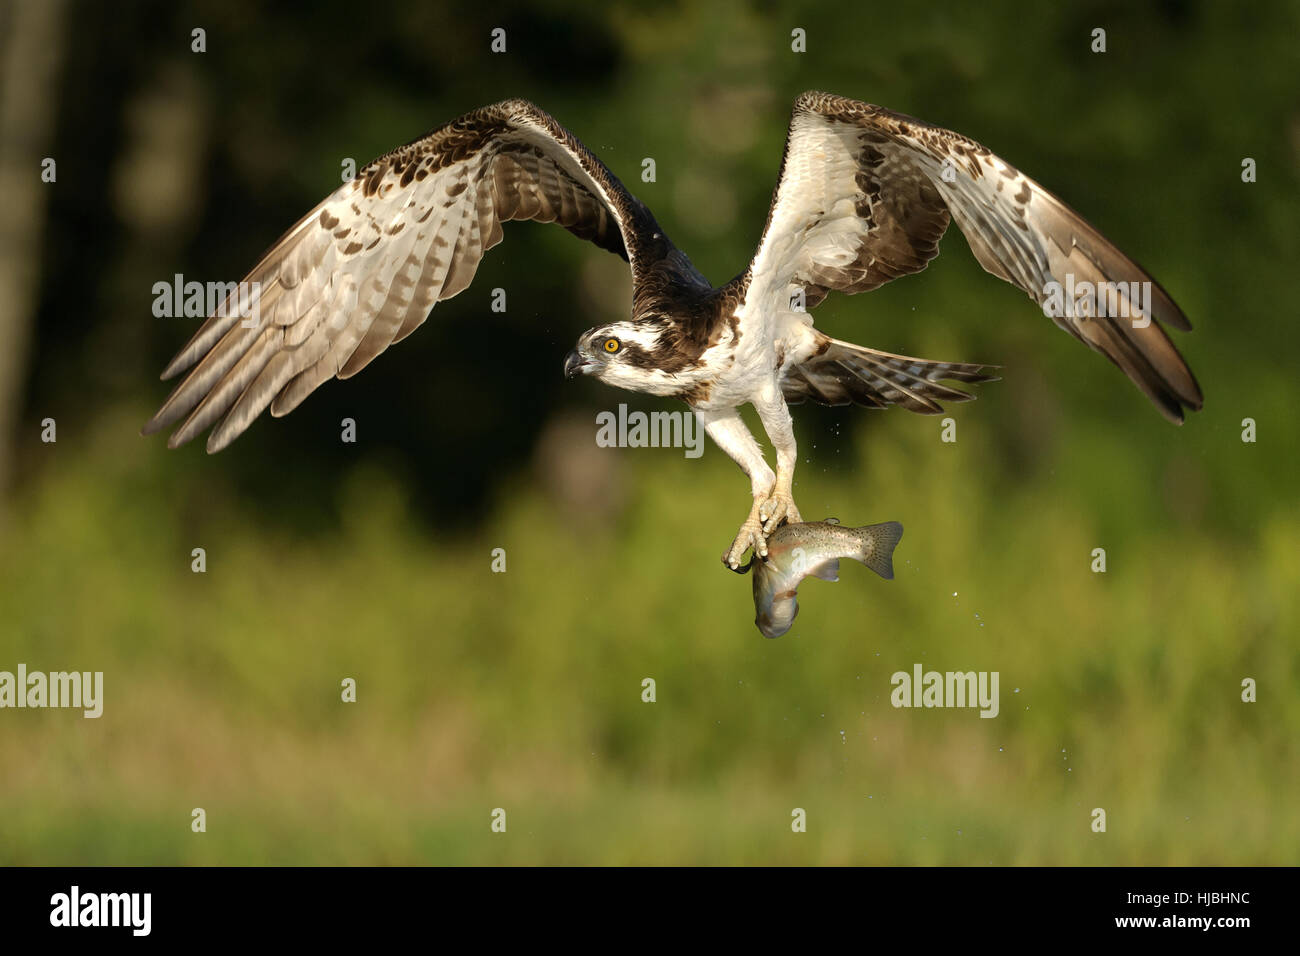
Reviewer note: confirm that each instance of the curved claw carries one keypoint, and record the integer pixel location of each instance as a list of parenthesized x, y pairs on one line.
[(750, 536), (743, 569)]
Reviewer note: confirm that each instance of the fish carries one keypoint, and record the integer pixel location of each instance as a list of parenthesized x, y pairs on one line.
[(813, 549)]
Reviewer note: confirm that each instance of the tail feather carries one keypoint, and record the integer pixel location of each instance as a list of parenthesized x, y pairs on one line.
[(846, 373)]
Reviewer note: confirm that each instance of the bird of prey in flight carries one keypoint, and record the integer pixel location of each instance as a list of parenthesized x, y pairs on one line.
[(863, 196)]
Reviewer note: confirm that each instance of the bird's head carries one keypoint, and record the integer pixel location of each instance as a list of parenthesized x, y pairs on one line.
[(623, 354)]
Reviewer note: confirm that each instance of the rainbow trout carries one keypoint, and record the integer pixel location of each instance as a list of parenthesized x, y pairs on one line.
[(814, 548)]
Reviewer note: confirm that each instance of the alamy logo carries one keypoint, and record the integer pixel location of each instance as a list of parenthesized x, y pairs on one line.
[(950, 689), (78, 689), (654, 430), (103, 909), (1093, 300), (198, 300)]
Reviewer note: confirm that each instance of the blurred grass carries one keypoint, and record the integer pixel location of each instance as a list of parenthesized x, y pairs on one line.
[(522, 690)]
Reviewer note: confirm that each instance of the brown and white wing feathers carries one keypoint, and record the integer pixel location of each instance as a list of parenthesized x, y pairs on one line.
[(365, 267), (863, 198)]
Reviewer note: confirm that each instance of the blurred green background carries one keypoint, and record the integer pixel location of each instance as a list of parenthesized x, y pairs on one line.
[(522, 690)]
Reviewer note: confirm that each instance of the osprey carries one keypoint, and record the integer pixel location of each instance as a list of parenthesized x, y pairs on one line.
[(863, 196)]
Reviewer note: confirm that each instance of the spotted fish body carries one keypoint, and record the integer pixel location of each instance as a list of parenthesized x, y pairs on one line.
[(814, 549)]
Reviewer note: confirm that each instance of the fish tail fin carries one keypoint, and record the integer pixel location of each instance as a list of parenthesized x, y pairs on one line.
[(878, 543)]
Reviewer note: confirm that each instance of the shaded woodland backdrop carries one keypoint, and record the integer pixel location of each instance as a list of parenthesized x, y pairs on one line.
[(522, 690)]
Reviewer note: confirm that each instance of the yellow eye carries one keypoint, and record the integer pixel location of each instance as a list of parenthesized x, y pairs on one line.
[(611, 345)]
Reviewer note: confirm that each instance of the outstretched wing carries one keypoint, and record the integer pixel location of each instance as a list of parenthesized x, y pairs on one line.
[(863, 198), (365, 267)]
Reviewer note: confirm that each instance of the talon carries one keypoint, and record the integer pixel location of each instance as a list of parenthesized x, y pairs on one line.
[(749, 537), (777, 510)]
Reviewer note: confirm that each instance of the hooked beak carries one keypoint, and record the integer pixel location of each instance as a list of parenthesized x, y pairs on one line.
[(574, 363)]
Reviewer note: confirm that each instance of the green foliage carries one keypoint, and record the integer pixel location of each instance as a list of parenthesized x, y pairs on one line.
[(523, 690)]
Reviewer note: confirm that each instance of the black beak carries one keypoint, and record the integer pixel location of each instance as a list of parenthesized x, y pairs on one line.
[(573, 364)]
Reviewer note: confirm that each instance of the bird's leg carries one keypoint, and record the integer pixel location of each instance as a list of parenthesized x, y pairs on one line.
[(775, 415), (729, 433)]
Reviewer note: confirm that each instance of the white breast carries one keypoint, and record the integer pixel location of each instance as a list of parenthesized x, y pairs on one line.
[(749, 362)]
